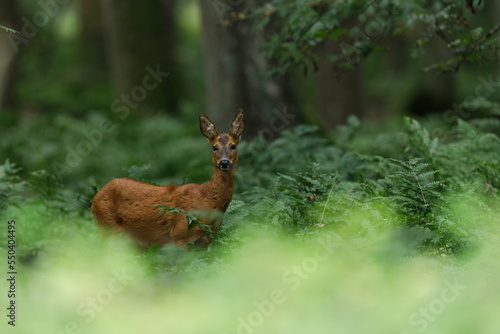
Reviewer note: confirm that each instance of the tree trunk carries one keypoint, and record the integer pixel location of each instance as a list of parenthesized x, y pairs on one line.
[(340, 94), (235, 74), (435, 92), (9, 17), (129, 28), (93, 56)]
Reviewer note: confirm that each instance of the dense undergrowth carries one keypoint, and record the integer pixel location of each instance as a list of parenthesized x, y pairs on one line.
[(301, 183), (389, 210)]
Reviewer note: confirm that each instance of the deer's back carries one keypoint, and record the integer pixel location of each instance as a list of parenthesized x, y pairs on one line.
[(128, 205)]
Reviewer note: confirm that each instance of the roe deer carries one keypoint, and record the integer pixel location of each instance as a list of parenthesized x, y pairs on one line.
[(127, 206)]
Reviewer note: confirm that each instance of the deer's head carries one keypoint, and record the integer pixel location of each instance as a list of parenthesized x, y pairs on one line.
[(224, 145)]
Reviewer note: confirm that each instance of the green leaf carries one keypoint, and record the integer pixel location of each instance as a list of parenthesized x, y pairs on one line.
[(192, 220)]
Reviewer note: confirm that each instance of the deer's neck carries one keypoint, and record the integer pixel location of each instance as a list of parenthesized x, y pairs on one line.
[(221, 188)]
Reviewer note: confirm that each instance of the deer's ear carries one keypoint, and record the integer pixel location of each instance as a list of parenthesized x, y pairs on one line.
[(208, 128), (238, 126)]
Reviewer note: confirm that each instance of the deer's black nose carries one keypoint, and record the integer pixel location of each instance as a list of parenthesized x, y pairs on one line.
[(224, 164)]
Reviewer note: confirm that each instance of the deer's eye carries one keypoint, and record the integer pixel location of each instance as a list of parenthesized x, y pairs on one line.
[(233, 147), (215, 148)]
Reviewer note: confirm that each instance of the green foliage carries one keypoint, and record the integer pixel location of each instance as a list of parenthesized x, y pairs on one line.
[(289, 201), (405, 208), (11, 184), (417, 194), (468, 152), (302, 183), (358, 27), (410, 187), (60, 146), (51, 193), (138, 172), (260, 161), (406, 180), (191, 219), (414, 189)]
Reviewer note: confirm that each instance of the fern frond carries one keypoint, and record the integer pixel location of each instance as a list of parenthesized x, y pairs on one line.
[(414, 189), (192, 220)]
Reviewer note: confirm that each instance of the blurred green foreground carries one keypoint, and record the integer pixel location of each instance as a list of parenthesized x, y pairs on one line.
[(356, 278)]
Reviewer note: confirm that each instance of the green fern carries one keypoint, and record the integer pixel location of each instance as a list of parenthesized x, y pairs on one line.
[(138, 172), (288, 203), (419, 142), (419, 201), (51, 192), (192, 220), (414, 187), (468, 154), (10, 184), (298, 192)]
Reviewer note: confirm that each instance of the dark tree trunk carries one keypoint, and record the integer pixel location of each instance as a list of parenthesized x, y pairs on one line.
[(10, 17), (235, 74), (129, 28), (93, 56), (435, 92), (340, 93)]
